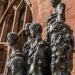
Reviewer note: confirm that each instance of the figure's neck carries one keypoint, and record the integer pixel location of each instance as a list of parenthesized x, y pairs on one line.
[(54, 10), (55, 7), (14, 48), (38, 38), (29, 38)]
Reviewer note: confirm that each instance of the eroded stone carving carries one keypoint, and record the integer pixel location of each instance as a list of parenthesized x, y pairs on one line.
[(58, 14), (27, 47)]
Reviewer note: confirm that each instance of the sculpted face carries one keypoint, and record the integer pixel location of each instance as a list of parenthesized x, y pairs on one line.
[(31, 31), (35, 29), (9, 41), (12, 38), (27, 31), (55, 2)]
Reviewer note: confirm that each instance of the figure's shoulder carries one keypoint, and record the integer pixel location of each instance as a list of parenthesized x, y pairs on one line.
[(61, 5)]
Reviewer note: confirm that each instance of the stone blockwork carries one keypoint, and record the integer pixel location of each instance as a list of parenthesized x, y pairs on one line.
[(41, 9)]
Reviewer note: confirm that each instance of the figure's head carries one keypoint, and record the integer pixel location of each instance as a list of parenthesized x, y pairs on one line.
[(12, 38), (27, 31), (35, 29), (55, 2)]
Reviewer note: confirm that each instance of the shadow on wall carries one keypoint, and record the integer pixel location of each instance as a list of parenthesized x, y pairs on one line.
[(3, 54)]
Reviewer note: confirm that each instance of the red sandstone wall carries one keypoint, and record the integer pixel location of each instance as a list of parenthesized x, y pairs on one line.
[(41, 9)]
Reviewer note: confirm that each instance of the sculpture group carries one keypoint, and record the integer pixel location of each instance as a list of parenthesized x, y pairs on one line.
[(43, 57)]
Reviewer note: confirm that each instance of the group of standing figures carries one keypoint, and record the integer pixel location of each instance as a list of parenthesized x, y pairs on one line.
[(39, 57)]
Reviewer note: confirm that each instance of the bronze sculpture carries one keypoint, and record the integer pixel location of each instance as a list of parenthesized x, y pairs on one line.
[(41, 53), (15, 63), (27, 47), (60, 38)]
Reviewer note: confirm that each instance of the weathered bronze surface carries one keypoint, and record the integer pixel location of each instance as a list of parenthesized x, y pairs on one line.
[(60, 38), (15, 62)]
